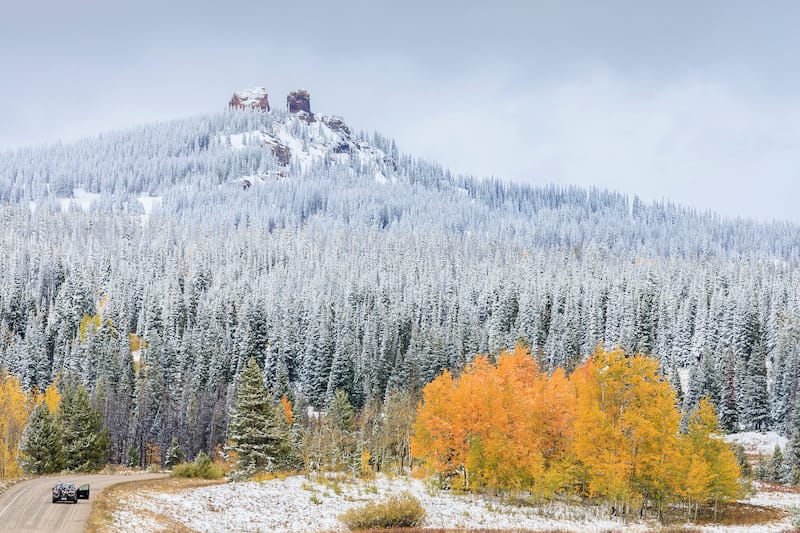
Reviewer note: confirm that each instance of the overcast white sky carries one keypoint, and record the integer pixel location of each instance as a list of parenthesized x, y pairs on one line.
[(697, 102)]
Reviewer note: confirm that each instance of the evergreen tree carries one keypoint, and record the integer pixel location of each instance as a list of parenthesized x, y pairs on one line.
[(86, 440), (761, 471), (132, 454), (174, 453), (776, 467), (728, 413), (41, 443), (755, 412), (255, 431)]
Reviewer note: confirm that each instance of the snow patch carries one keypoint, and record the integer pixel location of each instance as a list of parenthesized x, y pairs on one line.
[(302, 504), (149, 202), (81, 198), (756, 443)]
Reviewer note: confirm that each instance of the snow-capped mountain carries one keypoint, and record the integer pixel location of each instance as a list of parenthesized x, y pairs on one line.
[(301, 141), (340, 263)]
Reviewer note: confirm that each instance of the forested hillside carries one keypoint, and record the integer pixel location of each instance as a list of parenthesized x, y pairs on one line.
[(338, 263)]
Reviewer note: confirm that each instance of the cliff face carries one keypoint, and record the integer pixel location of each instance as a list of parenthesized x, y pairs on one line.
[(255, 98)]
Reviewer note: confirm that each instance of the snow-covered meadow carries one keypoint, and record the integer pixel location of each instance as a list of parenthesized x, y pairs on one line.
[(301, 504)]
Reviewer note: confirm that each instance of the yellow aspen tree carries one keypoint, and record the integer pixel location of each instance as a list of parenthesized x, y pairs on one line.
[(702, 439), (51, 396), (14, 410), (626, 428), (554, 412), (697, 487), (599, 447)]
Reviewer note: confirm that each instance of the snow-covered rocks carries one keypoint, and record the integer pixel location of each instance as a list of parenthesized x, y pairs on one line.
[(298, 101), (255, 98), (304, 145)]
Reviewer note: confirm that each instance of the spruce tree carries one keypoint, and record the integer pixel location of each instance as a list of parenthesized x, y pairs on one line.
[(255, 433), (41, 442), (792, 458), (174, 453), (85, 439), (755, 401), (776, 468), (728, 413)]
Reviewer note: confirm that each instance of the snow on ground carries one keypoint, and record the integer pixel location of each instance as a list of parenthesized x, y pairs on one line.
[(756, 443), (303, 504), (81, 198), (300, 504), (148, 203)]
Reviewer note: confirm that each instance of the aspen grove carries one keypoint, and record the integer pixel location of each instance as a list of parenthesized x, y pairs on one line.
[(609, 430)]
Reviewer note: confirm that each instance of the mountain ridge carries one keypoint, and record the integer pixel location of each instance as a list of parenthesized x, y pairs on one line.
[(363, 269)]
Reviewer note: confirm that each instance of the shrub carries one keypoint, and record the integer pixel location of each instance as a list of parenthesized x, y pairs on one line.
[(202, 467), (398, 511)]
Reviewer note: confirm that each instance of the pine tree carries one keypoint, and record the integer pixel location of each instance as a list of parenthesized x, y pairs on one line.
[(174, 453), (255, 434), (728, 413), (755, 411), (86, 440), (776, 467), (41, 443)]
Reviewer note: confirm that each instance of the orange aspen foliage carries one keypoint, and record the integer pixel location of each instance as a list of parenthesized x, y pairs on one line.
[(437, 437), (497, 426), (609, 430), (288, 414)]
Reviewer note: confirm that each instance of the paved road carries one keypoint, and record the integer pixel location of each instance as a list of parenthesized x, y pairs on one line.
[(28, 507)]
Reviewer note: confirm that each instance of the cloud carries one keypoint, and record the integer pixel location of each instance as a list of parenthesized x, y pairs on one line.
[(693, 141)]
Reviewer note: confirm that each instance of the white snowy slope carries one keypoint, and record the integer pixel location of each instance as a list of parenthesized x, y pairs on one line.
[(303, 141)]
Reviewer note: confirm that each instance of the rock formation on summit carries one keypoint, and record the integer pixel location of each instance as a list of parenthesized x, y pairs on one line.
[(255, 98), (299, 100)]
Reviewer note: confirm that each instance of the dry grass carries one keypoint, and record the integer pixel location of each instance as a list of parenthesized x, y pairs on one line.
[(109, 500), (427, 530), (767, 486), (728, 514), (740, 514), (6, 484)]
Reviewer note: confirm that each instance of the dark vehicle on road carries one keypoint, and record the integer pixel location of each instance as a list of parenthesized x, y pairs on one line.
[(65, 492), (83, 492)]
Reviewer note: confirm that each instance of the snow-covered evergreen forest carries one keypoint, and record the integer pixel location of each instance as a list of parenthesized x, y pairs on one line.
[(193, 245)]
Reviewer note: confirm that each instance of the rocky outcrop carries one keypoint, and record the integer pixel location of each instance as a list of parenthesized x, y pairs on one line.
[(298, 101), (282, 153), (255, 98), (337, 124)]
